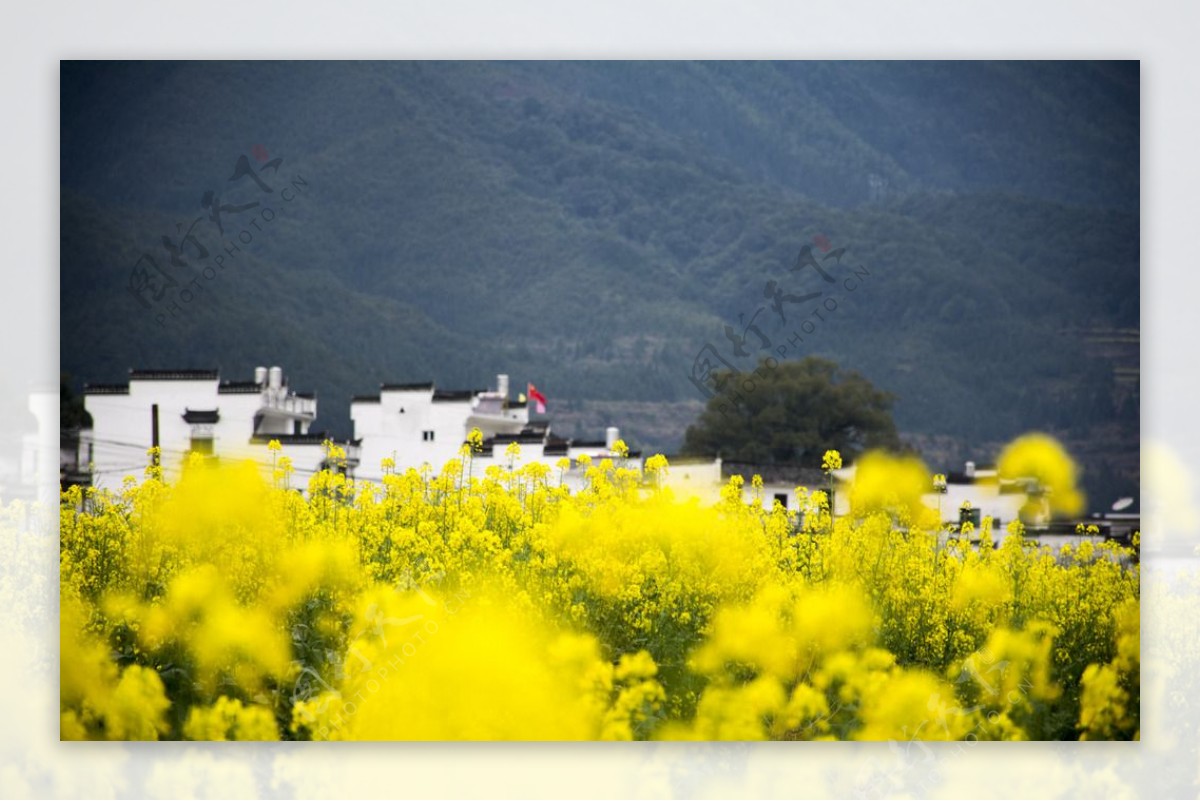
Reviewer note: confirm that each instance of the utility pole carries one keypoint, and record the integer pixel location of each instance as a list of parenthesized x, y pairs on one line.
[(154, 433)]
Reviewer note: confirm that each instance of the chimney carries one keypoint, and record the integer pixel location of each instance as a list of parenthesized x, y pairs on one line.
[(276, 378), (969, 470), (260, 376), (502, 385), (611, 435)]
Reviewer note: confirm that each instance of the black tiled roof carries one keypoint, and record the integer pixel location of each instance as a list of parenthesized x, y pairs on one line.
[(172, 375), (777, 473), (202, 417), (406, 387), (454, 395), (105, 389), (239, 388), (317, 438), (525, 437), (962, 478), (365, 399), (684, 461)]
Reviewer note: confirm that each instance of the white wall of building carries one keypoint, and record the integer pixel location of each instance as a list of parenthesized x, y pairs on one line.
[(232, 433), (415, 426), (392, 427), (704, 479), (121, 430), (122, 427), (1003, 508), (695, 479)]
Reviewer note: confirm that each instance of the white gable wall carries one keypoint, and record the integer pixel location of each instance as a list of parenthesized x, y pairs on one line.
[(121, 431)]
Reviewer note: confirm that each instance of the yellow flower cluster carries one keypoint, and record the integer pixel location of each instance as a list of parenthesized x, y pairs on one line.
[(893, 485), (1111, 692), (1043, 461), (227, 719), (99, 699), (502, 606)]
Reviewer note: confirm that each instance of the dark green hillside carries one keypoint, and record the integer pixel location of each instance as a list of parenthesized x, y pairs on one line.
[(591, 226)]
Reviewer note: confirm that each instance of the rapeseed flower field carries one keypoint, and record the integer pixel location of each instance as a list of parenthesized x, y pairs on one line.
[(496, 605)]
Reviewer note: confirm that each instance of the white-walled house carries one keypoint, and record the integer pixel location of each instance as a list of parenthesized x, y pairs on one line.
[(416, 424), (780, 483), (704, 478), (419, 424), (412, 424), (539, 445), (195, 411), (987, 494)]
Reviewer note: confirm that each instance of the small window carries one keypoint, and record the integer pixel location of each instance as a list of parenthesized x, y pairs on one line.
[(427, 436), (296, 427), (782, 498)]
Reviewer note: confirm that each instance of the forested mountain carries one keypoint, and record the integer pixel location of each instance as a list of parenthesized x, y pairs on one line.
[(591, 226)]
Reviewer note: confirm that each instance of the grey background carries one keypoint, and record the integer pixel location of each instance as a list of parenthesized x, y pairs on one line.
[(1165, 763)]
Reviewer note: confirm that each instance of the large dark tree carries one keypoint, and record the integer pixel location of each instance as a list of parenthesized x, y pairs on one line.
[(793, 413), (71, 411)]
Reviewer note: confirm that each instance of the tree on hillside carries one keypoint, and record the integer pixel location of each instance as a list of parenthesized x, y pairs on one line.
[(793, 413)]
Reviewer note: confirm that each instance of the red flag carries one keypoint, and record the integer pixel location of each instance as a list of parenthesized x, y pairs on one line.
[(538, 398)]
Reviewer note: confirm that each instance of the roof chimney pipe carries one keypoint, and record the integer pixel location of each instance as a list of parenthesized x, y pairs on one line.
[(611, 435)]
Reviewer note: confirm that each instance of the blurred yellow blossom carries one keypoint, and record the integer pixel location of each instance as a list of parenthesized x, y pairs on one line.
[(1041, 459)]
